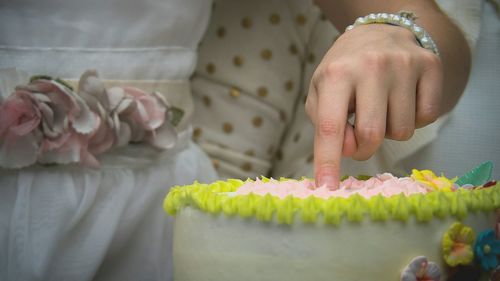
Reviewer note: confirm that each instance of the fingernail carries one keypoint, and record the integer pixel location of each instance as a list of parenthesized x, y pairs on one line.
[(329, 181)]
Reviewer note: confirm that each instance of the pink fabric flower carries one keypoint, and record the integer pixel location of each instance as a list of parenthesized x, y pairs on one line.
[(19, 120), (67, 123), (92, 90), (129, 115), (48, 122), (148, 119)]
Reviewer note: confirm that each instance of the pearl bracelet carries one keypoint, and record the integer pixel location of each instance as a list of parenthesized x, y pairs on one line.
[(403, 19)]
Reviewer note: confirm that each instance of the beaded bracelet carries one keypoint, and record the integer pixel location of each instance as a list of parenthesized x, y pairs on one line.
[(403, 19)]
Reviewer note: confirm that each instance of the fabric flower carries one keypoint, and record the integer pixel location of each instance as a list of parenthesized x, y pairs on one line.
[(457, 245), (148, 119), (487, 248), (92, 90), (19, 133), (430, 179), (67, 123), (420, 269), (46, 121), (131, 114)]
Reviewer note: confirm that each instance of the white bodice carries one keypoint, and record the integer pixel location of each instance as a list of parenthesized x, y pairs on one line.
[(122, 39)]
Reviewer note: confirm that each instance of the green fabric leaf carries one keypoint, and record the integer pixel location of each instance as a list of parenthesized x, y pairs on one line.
[(477, 176), (176, 115), (40, 77)]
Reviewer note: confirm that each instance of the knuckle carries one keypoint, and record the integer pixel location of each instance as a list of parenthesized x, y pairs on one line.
[(328, 127), (404, 59), (362, 156), (375, 60), (431, 59), (316, 78), (335, 70), (329, 165), (427, 115), (369, 135), (402, 133)]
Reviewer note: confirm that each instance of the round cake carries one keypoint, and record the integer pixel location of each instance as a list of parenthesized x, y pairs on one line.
[(381, 228)]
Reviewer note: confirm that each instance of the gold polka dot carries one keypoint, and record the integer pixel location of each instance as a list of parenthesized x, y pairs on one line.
[(301, 19), (221, 32), (282, 115), (227, 127), (262, 92), (247, 167), (250, 152), (216, 164), (289, 85), (279, 155), (206, 100), (196, 133), (234, 92), (296, 138), (311, 58), (266, 54), (257, 121), (210, 68), (238, 61), (246, 23), (274, 18), (310, 158), (293, 49)]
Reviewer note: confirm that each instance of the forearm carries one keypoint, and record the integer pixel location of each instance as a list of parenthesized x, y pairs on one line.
[(455, 52)]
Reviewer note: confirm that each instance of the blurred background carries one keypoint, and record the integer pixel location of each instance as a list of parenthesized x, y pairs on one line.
[(473, 129)]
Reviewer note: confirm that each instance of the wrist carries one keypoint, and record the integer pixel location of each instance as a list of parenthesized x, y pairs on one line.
[(402, 20)]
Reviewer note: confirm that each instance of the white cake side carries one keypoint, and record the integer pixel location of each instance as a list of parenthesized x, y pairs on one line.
[(212, 247)]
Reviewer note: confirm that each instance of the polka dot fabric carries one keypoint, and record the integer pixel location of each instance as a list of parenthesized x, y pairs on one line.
[(251, 83), (249, 78)]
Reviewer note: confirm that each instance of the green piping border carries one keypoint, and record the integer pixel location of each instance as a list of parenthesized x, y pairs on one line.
[(211, 198)]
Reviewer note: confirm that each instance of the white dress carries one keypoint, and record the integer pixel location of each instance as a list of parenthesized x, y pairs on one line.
[(71, 222)]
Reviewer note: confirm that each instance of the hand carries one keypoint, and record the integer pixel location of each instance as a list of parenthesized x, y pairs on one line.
[(381, 74)]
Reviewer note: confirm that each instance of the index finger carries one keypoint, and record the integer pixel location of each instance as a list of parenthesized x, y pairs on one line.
[(331, 117)]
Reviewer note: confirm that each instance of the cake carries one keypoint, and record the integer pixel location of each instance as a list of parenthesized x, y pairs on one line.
[(380, 228)]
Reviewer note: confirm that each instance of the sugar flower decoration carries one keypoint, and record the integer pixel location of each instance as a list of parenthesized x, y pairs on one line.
[(457, 245), (430, 179), (420, 269), (487, 248)]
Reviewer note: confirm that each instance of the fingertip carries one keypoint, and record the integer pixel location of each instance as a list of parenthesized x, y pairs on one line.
[(330, 180)]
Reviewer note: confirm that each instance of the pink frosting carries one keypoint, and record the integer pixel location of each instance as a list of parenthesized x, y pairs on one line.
[(386, 185)]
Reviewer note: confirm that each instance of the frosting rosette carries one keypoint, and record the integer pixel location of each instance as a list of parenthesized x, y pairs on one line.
[(385, 184)]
